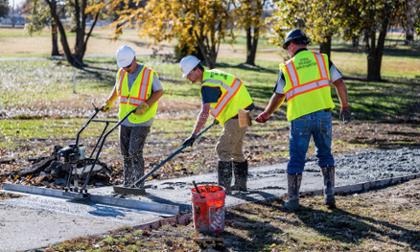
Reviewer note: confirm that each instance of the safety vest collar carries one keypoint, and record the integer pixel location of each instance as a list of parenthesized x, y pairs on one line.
[(226, 97)]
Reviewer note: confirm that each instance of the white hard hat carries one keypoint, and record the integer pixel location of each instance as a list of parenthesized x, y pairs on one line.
[(187, 64), (125, 56)]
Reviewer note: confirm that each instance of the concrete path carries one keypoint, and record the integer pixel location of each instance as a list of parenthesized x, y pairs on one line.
[(35, 221)]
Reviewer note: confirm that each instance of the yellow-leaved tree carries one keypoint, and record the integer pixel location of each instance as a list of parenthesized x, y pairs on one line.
[(319, 19), (370, 19), (199, 26)]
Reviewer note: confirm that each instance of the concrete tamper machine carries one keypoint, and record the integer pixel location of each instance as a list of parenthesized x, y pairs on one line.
[(79, 168)]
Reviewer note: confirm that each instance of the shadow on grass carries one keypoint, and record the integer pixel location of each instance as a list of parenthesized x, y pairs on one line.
[(406, 52), (106, 76), (387, 144), (346, 227), (384, 101), (263, 233), (247, 67)]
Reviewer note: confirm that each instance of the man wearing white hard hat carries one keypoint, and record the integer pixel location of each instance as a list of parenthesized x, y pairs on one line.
[(136, 86), (223, 96)]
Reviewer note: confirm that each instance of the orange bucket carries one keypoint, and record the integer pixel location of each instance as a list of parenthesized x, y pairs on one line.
[(209, 208)]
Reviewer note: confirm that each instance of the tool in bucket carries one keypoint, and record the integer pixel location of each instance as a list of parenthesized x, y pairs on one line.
[(134, 189), (208, 204), (196, 189)]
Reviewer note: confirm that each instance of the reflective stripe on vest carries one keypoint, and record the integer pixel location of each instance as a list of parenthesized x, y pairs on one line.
[(139, 92), (306, 88), (322, 68), (142, 94), (234, 95), (299, 88), (291, 70), (231, 91)]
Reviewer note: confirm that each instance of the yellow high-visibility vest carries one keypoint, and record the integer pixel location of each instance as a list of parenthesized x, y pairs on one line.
[(307, 86), (234, 95), (140, 91)]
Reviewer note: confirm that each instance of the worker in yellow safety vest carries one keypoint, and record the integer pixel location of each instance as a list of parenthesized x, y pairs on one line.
[(223, 96), (305, 82), (136, 87)]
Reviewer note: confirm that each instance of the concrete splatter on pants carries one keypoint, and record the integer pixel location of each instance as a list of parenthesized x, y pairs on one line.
[(132, 141), (229, 147)]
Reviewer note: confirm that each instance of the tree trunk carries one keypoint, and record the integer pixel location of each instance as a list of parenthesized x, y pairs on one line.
[(63, 37), (54, 39), (411, 17), (54, 34), (355, 42), (325, 47), (210, 59), (75, 59), (80, 16), (376, 51), (252, 36)]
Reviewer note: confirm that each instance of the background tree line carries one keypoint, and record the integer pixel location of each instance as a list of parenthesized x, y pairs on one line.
[(200, 26)]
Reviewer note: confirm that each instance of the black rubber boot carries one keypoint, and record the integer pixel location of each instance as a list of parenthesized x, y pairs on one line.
[(240, 170), (293, 186), (224, 174), (329, 183)]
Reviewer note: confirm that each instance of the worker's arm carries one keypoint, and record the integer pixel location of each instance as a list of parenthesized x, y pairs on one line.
[(202, 118), (276, 101), (154, 97), (110, 100), (144, 106), (341, 89), (199, 123)]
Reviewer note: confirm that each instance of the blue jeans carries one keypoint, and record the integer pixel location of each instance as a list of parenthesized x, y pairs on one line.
[(317, 124)]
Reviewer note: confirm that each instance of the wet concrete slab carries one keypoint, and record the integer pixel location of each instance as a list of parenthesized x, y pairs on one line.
[(36, 221)]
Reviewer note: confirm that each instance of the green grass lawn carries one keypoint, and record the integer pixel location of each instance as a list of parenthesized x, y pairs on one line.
[(48, 99)]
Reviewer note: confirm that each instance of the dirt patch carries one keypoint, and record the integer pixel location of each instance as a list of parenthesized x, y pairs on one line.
[(385, 220), (264, 145)]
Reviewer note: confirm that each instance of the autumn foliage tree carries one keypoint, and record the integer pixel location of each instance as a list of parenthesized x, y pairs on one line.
[(372, 20), (199, 26), (322, 19), (317, 17)]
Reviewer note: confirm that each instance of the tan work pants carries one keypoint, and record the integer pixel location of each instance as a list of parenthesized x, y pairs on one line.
[(229, 147)]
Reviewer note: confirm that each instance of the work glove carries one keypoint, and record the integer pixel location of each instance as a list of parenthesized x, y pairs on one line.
[(106, 106), (142, 108), (262, 117), (189, 141), (345, 115)]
